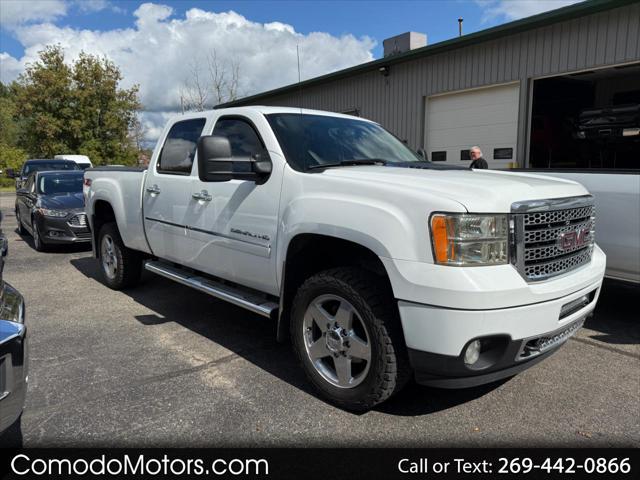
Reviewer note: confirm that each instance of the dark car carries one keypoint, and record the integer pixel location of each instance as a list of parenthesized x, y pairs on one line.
[(51, 208), (614, 123), (38, 165), (13, 350)]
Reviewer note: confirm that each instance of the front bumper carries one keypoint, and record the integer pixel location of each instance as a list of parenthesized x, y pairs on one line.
[(13, 355), (444, 309), (58, 230), (438, 338)]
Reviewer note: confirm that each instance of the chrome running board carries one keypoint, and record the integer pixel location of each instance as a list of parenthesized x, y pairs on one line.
[(247, 299)]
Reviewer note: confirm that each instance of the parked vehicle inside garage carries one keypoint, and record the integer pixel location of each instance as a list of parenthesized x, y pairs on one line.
[(377, 265), (13, 348), (50, 208)]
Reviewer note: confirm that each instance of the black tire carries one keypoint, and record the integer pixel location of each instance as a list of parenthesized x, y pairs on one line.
[(389, 369), (38, 242), (21, 229), (127, 268)]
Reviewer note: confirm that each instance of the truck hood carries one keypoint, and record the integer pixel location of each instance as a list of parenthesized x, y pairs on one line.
[(476, 190)]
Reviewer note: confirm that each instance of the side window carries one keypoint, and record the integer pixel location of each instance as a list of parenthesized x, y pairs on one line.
[(180, 147), (30, 184), (243, 138)]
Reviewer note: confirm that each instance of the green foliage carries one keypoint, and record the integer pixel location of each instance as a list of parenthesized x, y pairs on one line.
[(11, 157), (75, 109)]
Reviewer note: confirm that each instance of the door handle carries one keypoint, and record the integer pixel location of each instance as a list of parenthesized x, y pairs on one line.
[(202, 195), (153, 190)]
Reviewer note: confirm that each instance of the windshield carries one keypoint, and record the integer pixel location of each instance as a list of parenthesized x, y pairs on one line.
[(61, 183), (309, 141), (42, 166)]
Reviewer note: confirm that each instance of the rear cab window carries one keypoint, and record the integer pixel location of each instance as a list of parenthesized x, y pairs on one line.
[(179, 149)]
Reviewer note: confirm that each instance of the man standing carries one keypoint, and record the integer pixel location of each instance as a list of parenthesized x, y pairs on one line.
[(476, 156)]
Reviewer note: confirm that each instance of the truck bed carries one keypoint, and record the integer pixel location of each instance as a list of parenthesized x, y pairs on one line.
[(121, 188)]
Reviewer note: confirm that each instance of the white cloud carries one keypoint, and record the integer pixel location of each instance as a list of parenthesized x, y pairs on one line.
[(17, 12), (10, 67), (157, 52), (515, 9)]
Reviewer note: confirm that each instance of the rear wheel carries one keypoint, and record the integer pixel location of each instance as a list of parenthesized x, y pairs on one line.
[(346, 332), (121, 267)]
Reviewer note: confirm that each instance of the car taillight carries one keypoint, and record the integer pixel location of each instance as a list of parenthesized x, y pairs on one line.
[(87, 182)]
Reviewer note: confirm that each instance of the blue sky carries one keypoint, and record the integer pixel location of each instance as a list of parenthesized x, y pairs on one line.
[(161, 46), (377, 19)]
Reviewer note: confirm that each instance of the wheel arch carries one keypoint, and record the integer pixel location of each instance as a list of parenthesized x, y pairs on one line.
[(103, 212), (310, 253)]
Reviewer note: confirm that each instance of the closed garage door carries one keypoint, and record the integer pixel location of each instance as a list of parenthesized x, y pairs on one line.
[(486, 117)]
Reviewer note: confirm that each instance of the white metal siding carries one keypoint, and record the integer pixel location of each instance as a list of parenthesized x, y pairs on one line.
[(487, 117)]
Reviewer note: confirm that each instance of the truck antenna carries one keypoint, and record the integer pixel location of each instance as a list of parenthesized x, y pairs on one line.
[(300, 92), (299, 77)]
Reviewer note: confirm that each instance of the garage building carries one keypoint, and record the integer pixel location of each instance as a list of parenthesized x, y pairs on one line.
[(560, 89)]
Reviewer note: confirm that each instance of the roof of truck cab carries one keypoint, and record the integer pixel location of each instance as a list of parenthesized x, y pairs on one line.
[(264, 110)]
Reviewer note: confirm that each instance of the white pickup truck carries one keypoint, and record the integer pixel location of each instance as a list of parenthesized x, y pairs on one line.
[(377, 264)]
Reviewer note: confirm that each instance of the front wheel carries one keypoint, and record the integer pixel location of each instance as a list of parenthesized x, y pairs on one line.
[(38, 242), (121, 266), (346, 332)]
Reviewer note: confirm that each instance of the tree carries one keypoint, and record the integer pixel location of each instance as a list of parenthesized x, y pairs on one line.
[(209, 83), (10, 155), (77, 108)]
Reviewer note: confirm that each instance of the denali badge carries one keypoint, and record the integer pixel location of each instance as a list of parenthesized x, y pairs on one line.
[(574, 239)]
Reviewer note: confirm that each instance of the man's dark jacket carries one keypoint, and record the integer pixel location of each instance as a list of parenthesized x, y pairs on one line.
[(479, 163)]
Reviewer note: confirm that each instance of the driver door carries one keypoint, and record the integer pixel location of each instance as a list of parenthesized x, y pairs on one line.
[(235, 223)]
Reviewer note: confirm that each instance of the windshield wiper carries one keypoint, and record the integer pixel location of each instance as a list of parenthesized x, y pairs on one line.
[(347, 163)]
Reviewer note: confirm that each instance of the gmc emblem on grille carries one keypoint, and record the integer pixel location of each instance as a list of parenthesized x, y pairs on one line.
[(574, 239)]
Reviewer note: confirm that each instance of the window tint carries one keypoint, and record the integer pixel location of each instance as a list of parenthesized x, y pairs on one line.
[(243, 138), (42, 166), (180, 147), (310, 140), (59, 183), (28, 186)]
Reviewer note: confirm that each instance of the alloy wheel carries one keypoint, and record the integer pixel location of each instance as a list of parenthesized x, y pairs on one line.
[(109, 257), (336, 341), (37, 241)]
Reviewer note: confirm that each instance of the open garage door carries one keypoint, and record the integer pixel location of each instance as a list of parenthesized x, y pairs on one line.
[(487, 117), (587, 120)]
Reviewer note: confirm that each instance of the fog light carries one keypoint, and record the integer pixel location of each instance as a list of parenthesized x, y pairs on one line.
[(472, 353)]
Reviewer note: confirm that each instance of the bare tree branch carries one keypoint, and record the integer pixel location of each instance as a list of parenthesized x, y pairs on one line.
[(218, 83)]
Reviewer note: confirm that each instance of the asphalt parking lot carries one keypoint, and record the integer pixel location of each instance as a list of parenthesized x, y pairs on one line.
[(162, 365)]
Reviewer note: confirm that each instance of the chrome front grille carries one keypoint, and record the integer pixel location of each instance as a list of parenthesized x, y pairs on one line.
[(78, 220), (556, 216), (552, 237)]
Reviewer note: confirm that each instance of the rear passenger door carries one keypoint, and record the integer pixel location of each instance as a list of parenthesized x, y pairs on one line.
[(167, 191)]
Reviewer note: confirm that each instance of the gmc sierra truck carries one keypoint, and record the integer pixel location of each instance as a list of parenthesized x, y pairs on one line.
[(378, 265)]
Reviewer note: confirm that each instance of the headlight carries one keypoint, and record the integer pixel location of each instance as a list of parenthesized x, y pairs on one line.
[(469, 239), (53, 213)]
